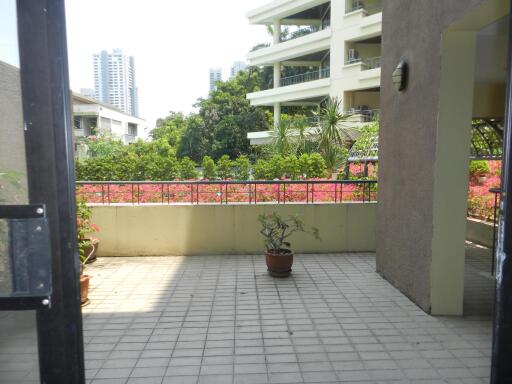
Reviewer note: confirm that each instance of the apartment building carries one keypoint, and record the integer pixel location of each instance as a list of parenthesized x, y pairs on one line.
[(215, 75), (115, 82), (334, 45), (237, 66), (90, 116)]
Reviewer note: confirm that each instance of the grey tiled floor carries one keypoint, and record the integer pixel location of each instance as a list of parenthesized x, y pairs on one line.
[(222, 319), (479, 284)]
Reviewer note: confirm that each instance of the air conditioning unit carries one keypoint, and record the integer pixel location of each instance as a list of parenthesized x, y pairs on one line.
[(353, 55)]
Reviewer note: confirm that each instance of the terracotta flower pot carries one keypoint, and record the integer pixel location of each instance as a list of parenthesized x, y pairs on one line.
[(84, 289), (279, 264)]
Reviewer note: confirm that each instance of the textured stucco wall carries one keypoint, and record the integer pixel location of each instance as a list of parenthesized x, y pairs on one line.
[(412, 29), (231, 229), (12, 144)]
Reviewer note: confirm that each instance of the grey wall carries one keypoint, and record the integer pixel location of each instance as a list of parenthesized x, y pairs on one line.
[(412, 30), (12, 145)]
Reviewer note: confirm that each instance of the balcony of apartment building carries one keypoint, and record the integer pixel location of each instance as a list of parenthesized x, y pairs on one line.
[(362, 64), (299, 53), (362, 19), (305, 79)]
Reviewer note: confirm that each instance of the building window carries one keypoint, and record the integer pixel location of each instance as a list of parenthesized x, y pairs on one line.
[(77, 122), (132, 129)]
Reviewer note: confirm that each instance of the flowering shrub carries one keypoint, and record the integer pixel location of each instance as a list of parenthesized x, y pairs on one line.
[(144, 193), (480, 200)]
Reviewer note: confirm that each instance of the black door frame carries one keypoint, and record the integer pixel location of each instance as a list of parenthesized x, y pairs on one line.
[(47, 114), (502, 337)]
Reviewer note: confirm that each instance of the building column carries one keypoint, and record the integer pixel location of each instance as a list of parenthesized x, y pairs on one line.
[(277, 114), (277, 31), (451, 166)]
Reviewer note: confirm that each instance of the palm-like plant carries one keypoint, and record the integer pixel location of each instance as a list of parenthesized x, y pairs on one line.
[(281, 138), (333, 133)]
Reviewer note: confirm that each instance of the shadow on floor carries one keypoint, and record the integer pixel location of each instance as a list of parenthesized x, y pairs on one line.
[(479, 283)]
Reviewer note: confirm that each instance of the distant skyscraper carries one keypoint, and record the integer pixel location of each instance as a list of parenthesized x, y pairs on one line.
[(114, 80), (88, 92), (237, 67), (215, 75)]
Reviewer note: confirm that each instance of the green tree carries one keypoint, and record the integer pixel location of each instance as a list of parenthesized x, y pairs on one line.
[(209, 168), (317, 167), (225, 167), (187, 169), (260, 170), (276, 167), (291, 167), (242, 168)]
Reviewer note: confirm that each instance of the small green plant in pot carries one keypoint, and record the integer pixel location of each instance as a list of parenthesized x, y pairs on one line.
[(277, 231), (87, 245)]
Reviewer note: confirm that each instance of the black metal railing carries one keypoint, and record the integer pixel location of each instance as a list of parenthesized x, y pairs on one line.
[(227, 192), (305, 77)]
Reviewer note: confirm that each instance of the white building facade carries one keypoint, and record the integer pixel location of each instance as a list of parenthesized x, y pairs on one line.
[(237, 66), (215, 75), (91, 117), (339, 39), (115, 81)]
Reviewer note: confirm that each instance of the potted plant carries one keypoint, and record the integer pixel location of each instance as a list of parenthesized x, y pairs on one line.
[(276, 231), (479, 169), (85, 228), (87, 246)]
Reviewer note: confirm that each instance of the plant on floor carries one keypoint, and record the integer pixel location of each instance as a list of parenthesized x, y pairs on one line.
[(276, 232), (87, 246)]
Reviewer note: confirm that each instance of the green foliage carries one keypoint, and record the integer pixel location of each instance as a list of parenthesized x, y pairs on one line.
[(209, 168), (242, 168), (84, 228), (291, 167), (104, 145), (225, 167), (304, 164), (261, 170), (332, 134), (275, 167), (478, 168), (187, 169), (317, 166), (277, 230)]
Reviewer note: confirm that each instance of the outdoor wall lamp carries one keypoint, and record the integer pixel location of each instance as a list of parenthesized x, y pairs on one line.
[(400, 75)]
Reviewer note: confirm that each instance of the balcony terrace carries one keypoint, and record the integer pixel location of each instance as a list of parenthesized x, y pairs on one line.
[(223, 319)]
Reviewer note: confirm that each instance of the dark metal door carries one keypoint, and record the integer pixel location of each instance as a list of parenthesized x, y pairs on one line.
[(502, 340), (39, 265)]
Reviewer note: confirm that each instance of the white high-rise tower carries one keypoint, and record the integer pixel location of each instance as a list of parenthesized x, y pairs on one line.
[(114, 80), (215, 75)]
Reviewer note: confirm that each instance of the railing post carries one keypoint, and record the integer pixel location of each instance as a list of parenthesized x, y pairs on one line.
[(255, 193), (278, 193), (133, 202), (162, 196), (103, 194), (335, 193), (191, 193), (108, 193), (307, 193), (138, 194), (168, 193), (313, 193), (284, 193)]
